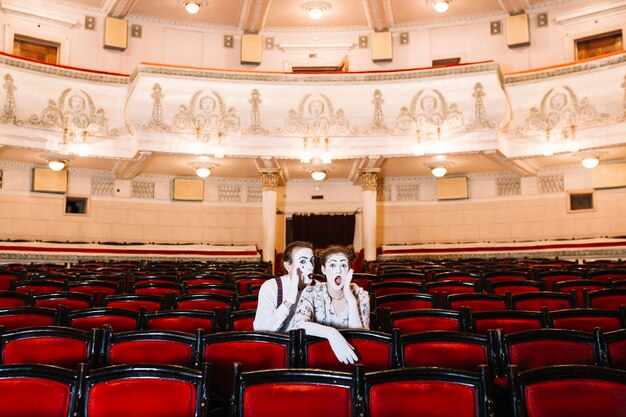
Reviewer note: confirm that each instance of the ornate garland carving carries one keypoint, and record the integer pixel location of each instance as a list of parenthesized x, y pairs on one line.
[(561, 108), (316, 117), (74, 111), (429, 113)]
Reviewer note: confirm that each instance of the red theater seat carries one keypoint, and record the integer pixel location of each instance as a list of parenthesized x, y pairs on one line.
[(50, 345), (569, 390), (38, 390), (412, 321), (150, 346), (295, 392), (145, 391), (375, 351), (413, 392), (586, 319), (187, 321)]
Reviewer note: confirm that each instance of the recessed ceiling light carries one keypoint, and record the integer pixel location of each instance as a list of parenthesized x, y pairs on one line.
[(441, 6), (193, 6), (316, 9)]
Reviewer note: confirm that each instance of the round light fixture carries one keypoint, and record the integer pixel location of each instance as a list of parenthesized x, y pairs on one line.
[(318, 175), (441, 6), (590, 162), (56, 164), (316, 9), (203, 172), (439, 171), (192, 7)]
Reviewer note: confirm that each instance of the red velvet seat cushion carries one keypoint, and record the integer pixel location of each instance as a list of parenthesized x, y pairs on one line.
[(610, 302), (576, 398), (424, 323), (19, 321), (117, 323), (479, 305), (537, 354), (34, 397), (245, 324), (142, 397), (617, 353), (407, 304), (422, 399), (135, 305), (71, 304), (252, 355), (587, 324), (151, 351), (445, 354), (537, 304), (59, 351), (302, 400), (509, 325), (181, 324)]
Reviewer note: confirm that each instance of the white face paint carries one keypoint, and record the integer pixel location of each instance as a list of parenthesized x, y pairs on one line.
[(303, 259), (336, 269)]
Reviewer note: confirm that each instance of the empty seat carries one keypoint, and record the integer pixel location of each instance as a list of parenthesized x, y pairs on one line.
[(477, 301), (615, 349), (49, 345), (38, 390), (120, 320), (515, 287), (135, 302), (187, 321), (145, 391), (240, 320), (535, 301), (420, 320), (579, 287), (15, 299), (290, 392), (610, 298), (149, 346), (20, 317), (507, 320), (549, 277), (568, 390), (395, 287), (586, 319), (71, 300), (449, 349), (413, 392), (405, 301)]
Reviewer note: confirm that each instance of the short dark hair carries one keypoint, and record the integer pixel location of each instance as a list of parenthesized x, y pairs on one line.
[(288, 253), (334, 249)]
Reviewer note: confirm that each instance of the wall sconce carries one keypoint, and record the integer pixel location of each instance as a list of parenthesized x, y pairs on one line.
[(193, 6), (440, 6), (57, 164), (316, 9)]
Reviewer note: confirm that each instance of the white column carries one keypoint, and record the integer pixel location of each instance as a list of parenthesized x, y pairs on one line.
[(369, 183), (269, 181)]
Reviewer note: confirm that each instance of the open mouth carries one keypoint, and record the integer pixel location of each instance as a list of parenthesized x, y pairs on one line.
[(310, 276), (338, 279)]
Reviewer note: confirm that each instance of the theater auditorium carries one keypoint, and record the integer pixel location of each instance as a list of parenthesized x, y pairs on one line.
[(157, 157)]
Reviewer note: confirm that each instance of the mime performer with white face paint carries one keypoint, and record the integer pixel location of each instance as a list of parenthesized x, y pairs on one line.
[(335, 304), (279, 297)]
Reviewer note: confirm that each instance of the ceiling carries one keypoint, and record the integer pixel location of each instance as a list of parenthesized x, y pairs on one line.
[(258, 16)]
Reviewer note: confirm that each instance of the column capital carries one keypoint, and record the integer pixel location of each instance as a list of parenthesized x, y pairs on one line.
[(269, 178), (369, 178)]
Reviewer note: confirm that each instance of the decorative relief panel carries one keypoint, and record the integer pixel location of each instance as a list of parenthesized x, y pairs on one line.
[(8, 110), (480, 113), (76, 111), (255, 194), (229, 193), (561, 109), (206, 113), (378, 125), (383, 192), (142, 189), (103, 186), (316, 117), (507, 186), (255, 127), (157, 121), (549, 184), (428, 114), (408, 192)]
